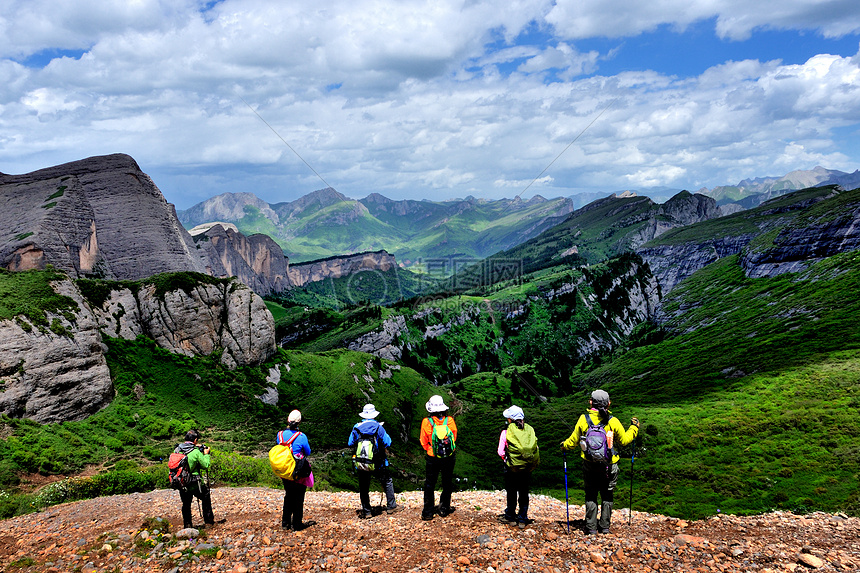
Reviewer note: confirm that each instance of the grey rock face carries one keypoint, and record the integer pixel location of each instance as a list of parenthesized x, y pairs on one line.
[(209, 317), (98, 216), (337, 267), (381, 342), (256, 261), (673, 263), (49, 377), (794, 249)]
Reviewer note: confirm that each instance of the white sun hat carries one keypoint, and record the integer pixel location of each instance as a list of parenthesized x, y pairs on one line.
[(369, 412), (436, 404), (514, 413)]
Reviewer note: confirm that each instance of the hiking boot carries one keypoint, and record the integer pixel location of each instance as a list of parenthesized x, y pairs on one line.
[(305, 525), (286, 527), (504, 518), (363, 514), (604, 530), (425, 517), (522, 523), (591, 532), (446, 511), (394, 509)]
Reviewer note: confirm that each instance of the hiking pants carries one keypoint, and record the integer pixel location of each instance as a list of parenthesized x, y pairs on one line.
[(294, 504), (598, 479), (199, 490), (517, 484), (384, 477), (436, 466)]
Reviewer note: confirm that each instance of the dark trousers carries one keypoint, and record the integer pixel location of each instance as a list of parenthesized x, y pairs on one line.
[(435, 467), (384, 477), (517, 484), (294, 504), (599, 479), (199, 490)]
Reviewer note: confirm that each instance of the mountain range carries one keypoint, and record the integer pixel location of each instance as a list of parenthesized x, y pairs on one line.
[(326, 223)]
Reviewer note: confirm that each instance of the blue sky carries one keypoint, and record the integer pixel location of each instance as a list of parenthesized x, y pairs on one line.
[(432, 99)]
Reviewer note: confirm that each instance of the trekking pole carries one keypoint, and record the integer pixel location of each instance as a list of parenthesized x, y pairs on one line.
[(566, 498), (632, 458)]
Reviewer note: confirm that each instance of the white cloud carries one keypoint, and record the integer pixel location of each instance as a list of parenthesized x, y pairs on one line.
[(404, 98)]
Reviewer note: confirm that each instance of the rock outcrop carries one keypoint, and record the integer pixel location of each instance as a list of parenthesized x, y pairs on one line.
[(256, 260), (60, 373), (194, 321), (100, 216), (381, 341), (786, 234), (336, 267), (53, 376)]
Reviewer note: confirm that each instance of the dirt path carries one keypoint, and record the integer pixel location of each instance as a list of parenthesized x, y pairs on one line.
[(105, 535)]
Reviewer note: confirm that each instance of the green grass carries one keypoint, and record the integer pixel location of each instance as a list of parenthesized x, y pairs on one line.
[(29, 294)]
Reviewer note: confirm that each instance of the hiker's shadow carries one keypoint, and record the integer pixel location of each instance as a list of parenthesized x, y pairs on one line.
[(575, 525)]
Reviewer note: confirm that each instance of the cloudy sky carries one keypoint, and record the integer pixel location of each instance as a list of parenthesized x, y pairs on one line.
[(432, 99)]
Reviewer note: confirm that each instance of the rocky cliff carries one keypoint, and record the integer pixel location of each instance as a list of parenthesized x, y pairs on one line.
[(54, 374), (100, 216), (785, 234), (60, 373), (256, 261), (336, 267)]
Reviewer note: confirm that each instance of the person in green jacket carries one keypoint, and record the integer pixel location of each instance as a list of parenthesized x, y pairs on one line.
[(600, 477), (198, 460)]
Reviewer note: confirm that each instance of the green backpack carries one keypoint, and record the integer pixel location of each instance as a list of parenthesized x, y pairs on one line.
[(522, 450)]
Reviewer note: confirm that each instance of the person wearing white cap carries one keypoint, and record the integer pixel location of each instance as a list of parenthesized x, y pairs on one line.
[(370, 435), (439, 439), (294, 491), (519, 451), (596, 434)]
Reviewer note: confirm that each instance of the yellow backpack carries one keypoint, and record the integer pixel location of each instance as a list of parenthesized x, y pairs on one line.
[(281, 457)]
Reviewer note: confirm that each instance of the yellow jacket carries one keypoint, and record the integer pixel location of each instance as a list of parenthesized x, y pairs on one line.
[(620, 438)]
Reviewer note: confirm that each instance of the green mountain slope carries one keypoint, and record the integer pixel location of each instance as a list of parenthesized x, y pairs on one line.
[(325, 223)]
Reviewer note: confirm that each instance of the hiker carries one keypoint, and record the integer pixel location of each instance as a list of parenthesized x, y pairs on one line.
[(372, 442), (596, 434), (519, 451), (294, 491), (198, 460), (438, 438)]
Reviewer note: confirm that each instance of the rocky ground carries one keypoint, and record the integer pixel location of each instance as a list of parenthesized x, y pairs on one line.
[(121, 533)]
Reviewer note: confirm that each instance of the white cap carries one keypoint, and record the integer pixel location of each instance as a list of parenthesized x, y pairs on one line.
[(514, 413), (295, 417), (436, 404), (369, 412)]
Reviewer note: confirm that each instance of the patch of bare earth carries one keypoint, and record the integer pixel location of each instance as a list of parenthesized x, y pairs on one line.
[(105, 535)]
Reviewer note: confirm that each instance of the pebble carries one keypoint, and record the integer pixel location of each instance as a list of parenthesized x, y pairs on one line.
[(469, 540)]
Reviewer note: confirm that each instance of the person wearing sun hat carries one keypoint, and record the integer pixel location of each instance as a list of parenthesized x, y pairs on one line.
[(369, 429), (600, 477), (439, 439), (520, 453)]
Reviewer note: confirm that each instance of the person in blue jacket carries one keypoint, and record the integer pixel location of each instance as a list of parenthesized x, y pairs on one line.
[(368, 427), (294, 492)]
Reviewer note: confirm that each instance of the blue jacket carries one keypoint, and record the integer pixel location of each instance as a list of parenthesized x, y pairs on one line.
[(300, 446), (371, 427)]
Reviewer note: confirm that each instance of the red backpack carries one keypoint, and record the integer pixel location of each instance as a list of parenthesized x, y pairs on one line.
[(178, 472)]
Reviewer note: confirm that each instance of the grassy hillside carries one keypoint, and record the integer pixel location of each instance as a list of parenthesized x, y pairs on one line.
[(751, 404), (324, 224)]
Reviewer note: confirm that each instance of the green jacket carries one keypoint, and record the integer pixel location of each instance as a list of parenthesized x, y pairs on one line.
[(197, 460), (622, 437)]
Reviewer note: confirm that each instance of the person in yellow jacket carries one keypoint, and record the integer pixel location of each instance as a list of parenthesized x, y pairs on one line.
[(600, 476)]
